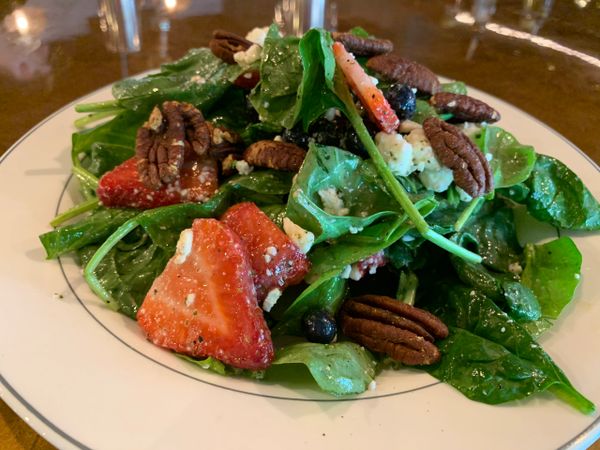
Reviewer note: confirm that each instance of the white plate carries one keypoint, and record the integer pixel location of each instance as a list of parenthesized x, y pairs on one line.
[(83, 376)]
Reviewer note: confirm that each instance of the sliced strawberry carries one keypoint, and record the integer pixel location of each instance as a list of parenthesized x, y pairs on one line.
[(204, 303), (276, 261), (121, 187), (367, 265), (379, 110)]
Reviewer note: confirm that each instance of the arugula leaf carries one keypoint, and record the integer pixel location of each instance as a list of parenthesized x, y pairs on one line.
[(559, 197), (199, 78), (275, 96), (511, 161), (491, 358), (340, 369), (552, 272)]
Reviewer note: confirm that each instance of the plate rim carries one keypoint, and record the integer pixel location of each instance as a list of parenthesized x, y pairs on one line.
[(55, 435)]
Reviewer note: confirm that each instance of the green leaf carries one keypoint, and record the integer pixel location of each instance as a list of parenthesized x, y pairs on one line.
[(559, 197), (493, 359), (423, 111), (511, 161), (92, 229), (199, 78), (454, 87), (552, 272), (356, 183), (275, 97), (342, 368)]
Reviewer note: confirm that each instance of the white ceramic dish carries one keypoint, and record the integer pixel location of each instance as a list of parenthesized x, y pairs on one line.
[(84, 376)]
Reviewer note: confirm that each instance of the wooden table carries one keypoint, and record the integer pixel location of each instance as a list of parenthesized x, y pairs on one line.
[(543, 58)]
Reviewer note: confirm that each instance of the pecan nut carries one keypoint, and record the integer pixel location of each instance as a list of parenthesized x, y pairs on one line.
[(455, 150), (162, 141), (224, 142), (275, 155), (361, 46), (401, 70), (464, 108), (225, 44), (248, 80), (383, 324)]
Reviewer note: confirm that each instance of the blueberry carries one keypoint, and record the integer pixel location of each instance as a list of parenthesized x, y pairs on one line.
[(296, 136), (402, 99), (319, 326)]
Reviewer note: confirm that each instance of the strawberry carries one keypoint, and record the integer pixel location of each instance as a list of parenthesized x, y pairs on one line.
[(204, 302), (276, 261), (379, 110), (121, 187)]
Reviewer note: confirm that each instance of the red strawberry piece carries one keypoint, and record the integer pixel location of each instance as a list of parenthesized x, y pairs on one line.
[(121, 187), (379, 110), (367, 265), (276, 261), (204, 302)]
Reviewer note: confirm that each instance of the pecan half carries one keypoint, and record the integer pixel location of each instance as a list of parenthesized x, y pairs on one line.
[(464, 108), (275, 155), (162, 141), (361, 46), (401, 70), (456, 151), (383, 324), (225, 44), (248, 79)]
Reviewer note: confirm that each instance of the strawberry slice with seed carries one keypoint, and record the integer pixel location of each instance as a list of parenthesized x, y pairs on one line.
[(121, 187), (379, 110), (276, 261), (204, 302)]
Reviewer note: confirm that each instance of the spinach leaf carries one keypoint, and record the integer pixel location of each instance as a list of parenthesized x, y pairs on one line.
[(513, 297), (491, 358), (455, 87), (493, 233), (552, 272), (340, 369), (511, 161), (423, 111), (355, 182), (93, 229), (351, 248), (275, 97), (559, 197), (221, 368), (199, 78)]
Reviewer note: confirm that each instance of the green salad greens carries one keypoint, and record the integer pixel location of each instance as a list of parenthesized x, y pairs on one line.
[(447, 253)]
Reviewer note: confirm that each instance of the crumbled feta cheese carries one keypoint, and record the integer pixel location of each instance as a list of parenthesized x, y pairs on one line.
[(345, 273), (258, 35), (197, 79), (332, 202), (271, 299), (489, 156), (184, 246), (189, 300), (374, 80), (396, 152), (355, 230), (515, 268), (464, 197), (268, 272), (331, 113), (267, 258), (272, 251), (278, 138), (302, 238), (372, 385), (243, 167), (246, 58), (355, 272), (437, 180), (417, 139)]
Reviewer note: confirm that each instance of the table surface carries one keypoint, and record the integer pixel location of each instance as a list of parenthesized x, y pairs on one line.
[(541, 55)]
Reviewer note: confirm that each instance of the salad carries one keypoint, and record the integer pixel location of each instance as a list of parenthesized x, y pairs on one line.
[(322, 201)]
